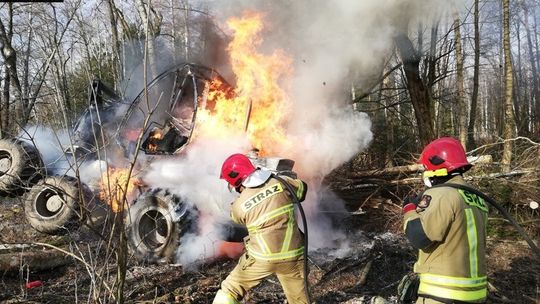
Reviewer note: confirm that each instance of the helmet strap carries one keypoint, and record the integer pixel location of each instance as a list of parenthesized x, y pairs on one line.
[(232, 188), (427, 182), (437, 180)]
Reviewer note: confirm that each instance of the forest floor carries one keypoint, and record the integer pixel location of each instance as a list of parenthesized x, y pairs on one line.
[(378, 258)]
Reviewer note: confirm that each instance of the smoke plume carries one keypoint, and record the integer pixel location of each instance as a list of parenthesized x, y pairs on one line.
[(333, 46)]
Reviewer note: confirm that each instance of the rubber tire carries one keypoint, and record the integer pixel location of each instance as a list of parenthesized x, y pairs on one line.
[(155, 223), (22, 166), (66, 194)]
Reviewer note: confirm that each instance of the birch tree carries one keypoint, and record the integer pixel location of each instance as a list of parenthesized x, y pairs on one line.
[(509, 122), (474, 97)]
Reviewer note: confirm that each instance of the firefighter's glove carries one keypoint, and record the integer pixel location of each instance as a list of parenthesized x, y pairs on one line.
[(410, 202), (408, 288)]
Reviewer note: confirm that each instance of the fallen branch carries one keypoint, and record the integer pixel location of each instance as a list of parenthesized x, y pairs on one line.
[(364, 272), (334, 271), (504, 141), (531, 299), (358, 183), (80, 259), (492, 289)]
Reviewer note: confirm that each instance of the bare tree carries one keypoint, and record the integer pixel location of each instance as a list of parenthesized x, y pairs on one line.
[(476, 73), (418, 91), (11, 77), (461, 102), (509, 122), (153, 25), (186, 30), (532, 59), (116, 44), (25, 86)]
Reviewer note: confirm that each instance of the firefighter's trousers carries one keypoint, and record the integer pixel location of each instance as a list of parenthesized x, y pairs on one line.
[(250, 272), (422, 300)]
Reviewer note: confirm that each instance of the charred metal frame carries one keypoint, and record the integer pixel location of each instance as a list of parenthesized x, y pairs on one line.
[(188, 78), (196, 75)]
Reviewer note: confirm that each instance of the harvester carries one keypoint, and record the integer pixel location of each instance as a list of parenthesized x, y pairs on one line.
[(111, 130)]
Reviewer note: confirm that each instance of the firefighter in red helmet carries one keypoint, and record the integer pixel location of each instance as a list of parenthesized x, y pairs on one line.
[(448, 227), (274, 245)]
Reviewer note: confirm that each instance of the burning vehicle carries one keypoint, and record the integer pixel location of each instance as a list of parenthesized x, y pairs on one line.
[(57, 201)]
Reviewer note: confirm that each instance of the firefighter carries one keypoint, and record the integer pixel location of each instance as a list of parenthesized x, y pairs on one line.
[(448, 227), (274, 244)]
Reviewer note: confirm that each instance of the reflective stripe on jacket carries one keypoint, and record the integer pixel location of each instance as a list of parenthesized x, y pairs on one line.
[(454, 265), (268, 213)]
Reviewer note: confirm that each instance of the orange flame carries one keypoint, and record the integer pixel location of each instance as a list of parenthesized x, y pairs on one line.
[(155, 136), (258, 105), (113, 183)]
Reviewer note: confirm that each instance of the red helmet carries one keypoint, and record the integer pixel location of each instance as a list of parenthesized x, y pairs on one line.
[(444, 153), (236, 168)]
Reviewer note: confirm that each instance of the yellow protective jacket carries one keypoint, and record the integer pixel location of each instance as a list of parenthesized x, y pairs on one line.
[(449, 229), (268, 213)]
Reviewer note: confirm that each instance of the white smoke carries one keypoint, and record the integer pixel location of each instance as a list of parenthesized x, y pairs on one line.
[(334, 45), (195, 178), (195, 175), (50, 144)]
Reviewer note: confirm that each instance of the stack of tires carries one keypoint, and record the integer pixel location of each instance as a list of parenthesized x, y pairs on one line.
[(155, 222), (52, 204), (20, 166)]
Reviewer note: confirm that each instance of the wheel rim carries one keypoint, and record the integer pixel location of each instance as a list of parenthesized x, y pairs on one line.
[(154, 230), (5, 162), (49, 202)]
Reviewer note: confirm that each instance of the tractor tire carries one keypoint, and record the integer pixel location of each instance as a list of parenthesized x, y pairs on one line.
[(155, 223), (20, 166), (54, 205)]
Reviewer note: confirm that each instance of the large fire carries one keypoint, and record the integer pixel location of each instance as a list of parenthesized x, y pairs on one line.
[(259, 106), (113, 188)]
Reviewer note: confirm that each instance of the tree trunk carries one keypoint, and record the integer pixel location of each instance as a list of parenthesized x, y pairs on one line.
[(432, 60), (536, 105), (117, 62), (461, 102), (151, 32), (532, 58), (5, 103), (520, 92), (389, 123), (474, 98), (499, 106), (86, 44), (186, 30), (25, 62), (10, 59), (173, 30), (418, 91), (509, 122)]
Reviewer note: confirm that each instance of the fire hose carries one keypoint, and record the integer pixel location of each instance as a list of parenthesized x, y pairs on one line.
[(505, 213), (304, 224)]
